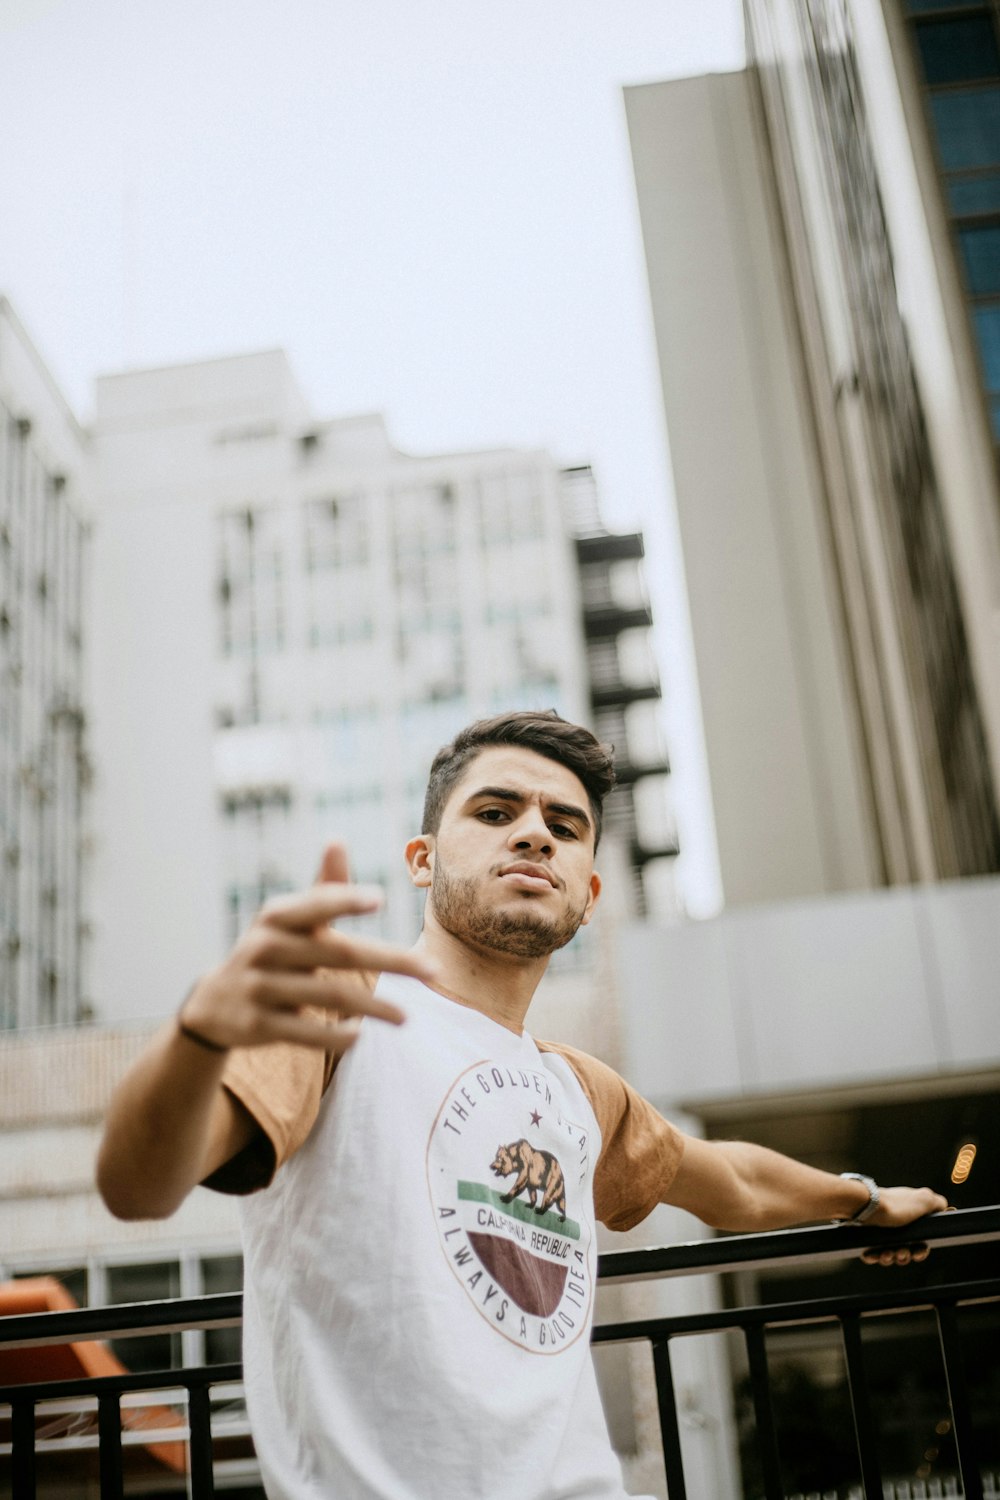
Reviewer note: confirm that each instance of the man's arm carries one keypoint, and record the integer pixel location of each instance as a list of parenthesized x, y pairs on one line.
[(171, 1123), (738, 1186)]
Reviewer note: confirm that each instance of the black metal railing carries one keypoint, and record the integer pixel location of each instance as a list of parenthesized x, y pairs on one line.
[(786, 1248)]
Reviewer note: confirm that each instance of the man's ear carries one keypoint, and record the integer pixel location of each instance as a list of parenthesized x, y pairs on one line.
[(420, 859), (592, 898)]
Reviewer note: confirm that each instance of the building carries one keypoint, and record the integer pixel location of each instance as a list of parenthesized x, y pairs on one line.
[(44, 766), (290, 618), (834, 463), (822, 268)]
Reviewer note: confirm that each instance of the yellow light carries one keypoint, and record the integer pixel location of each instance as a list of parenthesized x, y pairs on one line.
[(963, 1162), (942, 1427)]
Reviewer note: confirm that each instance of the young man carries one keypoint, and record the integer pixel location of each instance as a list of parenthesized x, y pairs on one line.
[(419, 1223)]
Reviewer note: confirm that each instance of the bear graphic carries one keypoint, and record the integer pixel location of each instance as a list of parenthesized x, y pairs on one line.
[(538, 1173)]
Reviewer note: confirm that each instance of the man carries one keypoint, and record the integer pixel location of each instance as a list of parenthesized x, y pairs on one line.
[(419, 1218)]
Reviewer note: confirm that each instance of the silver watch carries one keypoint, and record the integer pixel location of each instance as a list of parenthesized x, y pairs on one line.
[(874, 1198)]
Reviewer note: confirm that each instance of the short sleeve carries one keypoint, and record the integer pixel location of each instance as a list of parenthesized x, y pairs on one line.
[(281, 1087), (640, 1150)]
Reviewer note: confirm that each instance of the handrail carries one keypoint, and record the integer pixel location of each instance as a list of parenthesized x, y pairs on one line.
[(747, 1252), (694, 1257)]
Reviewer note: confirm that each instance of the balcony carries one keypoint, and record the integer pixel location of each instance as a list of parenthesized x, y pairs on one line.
[(90, 1422)]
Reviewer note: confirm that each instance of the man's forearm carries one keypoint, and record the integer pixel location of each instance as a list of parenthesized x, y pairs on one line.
[(775, 1191), (738, 1186), (163, 1124)]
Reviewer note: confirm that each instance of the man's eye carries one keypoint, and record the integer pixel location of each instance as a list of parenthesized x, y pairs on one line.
[(564, 830), (492, 814)]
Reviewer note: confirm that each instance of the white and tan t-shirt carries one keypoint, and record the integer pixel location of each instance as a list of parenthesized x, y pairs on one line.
[(420, 1272)]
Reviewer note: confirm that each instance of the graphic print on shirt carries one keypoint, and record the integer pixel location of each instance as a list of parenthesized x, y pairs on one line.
[(508, 1177)]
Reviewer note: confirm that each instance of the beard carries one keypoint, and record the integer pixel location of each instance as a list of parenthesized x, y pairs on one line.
[(528, 933)]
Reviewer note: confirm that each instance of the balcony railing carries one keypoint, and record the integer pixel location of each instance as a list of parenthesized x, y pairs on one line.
[(199, 1430)]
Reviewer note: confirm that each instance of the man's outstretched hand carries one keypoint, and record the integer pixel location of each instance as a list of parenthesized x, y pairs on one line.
[(899, 1206), (290, 963)]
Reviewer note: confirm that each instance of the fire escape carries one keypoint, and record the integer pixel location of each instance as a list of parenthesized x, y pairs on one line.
[(616, 620)]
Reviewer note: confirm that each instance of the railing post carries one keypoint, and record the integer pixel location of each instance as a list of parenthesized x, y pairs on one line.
[(200, 1424), (958, 1396), (767, 1437), (22, 1423), (669, 1431), (864, 1425), (109, 1431)]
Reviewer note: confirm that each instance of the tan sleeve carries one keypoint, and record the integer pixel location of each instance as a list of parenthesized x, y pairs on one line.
[(640, 1150), (281, 1086)]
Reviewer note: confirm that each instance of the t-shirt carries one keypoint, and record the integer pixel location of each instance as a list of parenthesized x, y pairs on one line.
[(420, 1272)]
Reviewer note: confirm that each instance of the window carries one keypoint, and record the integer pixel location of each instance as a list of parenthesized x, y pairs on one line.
[(967, 124), (958, 50), (146, 1283)]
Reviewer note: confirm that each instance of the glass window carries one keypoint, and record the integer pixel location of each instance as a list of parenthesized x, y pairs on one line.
[(223, 1273), (954, 51), (986, 321), (146, 1283), (974, 195), (981, 254), (918, 7), (967, 123)]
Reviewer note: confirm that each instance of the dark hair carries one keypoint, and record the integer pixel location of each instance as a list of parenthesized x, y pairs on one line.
[(541, 730)]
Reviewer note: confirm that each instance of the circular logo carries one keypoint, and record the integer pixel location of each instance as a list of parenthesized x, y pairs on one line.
[(509, 1174)]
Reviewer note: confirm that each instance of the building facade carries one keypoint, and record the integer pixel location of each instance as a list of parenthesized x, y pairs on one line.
[(825, 348), (288, 619), (44, 765), (291, 618), (833, 458)]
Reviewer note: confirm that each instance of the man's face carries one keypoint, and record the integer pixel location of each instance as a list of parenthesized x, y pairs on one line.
[(511, 868)]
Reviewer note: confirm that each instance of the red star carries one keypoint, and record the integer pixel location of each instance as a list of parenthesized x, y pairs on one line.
[(536, 1118)]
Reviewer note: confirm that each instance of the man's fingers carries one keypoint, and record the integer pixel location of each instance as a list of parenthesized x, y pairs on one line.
[(307, 910), (334, 866), (278, 948), (357, 953), (900, 1255), (346, 994), (304, 1032)]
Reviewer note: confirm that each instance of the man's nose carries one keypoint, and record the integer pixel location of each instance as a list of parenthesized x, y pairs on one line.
[(531, 832)]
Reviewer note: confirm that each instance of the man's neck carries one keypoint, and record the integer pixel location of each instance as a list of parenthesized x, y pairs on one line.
[(499, 985)]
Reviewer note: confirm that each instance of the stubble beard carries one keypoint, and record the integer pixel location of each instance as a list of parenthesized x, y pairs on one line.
[(527, 933)]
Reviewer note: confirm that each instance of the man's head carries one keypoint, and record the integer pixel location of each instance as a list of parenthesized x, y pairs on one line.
[(540, 730), (512, 817)]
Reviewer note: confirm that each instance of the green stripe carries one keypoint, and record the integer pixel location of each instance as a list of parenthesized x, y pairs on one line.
[(476, 1192)]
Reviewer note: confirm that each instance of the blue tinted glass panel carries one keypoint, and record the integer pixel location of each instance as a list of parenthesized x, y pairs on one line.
[(995, 416), (974, 195), (953, 51), (919, 7), (986, 321), (967, 123), (981, 254)]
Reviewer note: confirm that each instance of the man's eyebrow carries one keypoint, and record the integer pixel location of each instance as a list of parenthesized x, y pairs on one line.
[(501, 793), (509, 794), (567, 810)]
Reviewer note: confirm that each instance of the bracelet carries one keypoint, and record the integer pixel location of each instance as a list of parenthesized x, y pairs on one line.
[(196, 1036)]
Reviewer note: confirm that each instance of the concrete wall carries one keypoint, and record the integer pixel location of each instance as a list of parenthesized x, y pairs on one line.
[(802, 997), (788, 783)]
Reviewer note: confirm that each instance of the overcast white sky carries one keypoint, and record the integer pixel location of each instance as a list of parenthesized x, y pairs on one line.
[(428, 203)]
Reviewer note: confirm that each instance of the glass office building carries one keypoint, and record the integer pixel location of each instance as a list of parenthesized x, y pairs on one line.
[(831, 76), (957, 51)]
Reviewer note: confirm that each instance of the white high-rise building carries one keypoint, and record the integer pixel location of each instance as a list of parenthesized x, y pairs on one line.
[(44, 769), (291, 617)]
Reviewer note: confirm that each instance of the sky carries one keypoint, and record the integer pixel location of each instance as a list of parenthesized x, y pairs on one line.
[(428, 203)]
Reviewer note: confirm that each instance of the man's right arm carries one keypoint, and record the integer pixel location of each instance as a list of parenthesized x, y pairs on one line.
[(290, 978), (169, 1126)]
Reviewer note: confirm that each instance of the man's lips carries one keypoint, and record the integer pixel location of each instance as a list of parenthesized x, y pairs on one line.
[(529, 877)]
